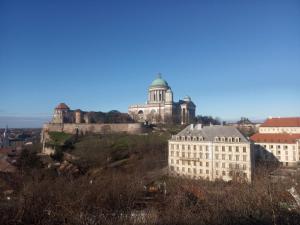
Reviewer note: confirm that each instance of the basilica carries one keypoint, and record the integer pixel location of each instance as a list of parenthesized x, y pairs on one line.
[(160, 107)]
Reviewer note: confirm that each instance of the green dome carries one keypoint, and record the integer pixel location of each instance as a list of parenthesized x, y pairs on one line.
[(159, 82)]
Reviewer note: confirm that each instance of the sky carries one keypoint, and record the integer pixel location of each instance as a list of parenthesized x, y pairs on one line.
[(233, 58)]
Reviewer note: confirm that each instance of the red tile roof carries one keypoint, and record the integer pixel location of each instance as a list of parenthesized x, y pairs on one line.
[(275, 138), (62, 106), (282, 122)]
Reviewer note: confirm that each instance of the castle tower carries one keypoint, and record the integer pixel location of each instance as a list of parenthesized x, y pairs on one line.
[(61, 113), (78, 116)]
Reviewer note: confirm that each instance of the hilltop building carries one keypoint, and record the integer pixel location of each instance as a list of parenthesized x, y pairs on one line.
[(211, 152), (278, 139), (160, 107)]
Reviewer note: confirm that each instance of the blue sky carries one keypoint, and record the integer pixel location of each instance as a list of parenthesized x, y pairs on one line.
[(234, 58)]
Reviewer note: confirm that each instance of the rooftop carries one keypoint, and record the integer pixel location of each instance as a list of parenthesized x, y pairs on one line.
[(62, 106), (209, 133), (282, 122), (275, 138)]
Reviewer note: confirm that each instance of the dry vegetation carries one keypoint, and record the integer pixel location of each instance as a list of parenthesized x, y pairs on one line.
[(111, 188)]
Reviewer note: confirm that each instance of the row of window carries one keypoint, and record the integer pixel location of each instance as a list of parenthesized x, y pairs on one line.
[(196, 156), (205, 147), (201, 171), (200, 138), (207, 164)]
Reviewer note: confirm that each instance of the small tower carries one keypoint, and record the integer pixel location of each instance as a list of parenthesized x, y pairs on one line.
[(169, 96), (6, 137), (61, 113), (78, 116)]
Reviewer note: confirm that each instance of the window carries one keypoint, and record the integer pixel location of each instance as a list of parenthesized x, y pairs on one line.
[(189, 155), (177, 162), (201, 155), (223, 165), (200, 163), (189, 147), (200, 171), (172, 153), (244, 158), (285, 147), (223, 148), (223, 156), (195, 155), (182, 147), (278, 146), (172, 146), (237, 157), (189, 170), (271, 146), (195, 147), (183, 169), (183, 154), (183, 163), (177, 147), (189, 163), (217, 172), (244, 167), (207, 164), (216, 148), (194, 163), (244, 149), (230, 157), (207, 171), (195, 171), (206, 155), (172, 161), (177, 154), (217, 165), (229, 148), (223, 173), (217, 156), (206, 148)]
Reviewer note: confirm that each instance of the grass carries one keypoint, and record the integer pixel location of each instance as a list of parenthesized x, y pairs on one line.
[(59, 138), (102, 150)]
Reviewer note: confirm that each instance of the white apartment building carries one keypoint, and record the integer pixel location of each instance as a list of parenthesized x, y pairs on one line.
[(279, 140), (210, 152)]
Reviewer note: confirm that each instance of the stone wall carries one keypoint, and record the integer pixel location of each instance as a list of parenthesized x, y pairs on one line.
[(83, 128)]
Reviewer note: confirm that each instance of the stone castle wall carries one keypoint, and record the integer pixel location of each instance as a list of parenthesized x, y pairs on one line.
[(83, 128)]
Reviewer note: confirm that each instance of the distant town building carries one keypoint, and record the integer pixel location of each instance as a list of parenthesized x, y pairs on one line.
[(278, 139), (211, 152), (160, 107)]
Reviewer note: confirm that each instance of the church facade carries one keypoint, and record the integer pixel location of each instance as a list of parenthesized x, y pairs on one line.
[(160, 107)]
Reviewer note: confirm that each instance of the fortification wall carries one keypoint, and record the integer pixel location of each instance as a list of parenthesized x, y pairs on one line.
[(83, 128)]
